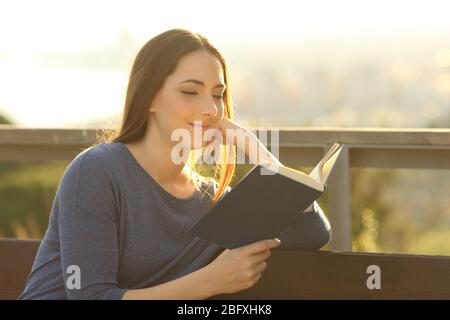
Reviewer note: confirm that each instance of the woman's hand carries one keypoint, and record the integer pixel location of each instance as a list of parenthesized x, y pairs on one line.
[(223, 126), (246, 141), (233, 129), (240, 268)]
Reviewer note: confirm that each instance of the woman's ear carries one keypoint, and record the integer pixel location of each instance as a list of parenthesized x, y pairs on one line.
[(152, 108), (153, 104)]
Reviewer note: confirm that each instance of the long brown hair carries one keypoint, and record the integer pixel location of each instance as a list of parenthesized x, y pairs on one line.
[(156, 60)]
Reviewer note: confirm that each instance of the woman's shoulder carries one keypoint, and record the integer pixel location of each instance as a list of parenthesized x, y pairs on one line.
[(104, 154), (100, 152), (91, 163)]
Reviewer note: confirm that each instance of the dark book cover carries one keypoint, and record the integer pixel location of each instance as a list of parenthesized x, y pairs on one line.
[(258, 207)]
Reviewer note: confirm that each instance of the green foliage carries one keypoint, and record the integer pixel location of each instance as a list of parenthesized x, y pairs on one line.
[(378, 225), (4, 120), (369, 211), (26, 195)]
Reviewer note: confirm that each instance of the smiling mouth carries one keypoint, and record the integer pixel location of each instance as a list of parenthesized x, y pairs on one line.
[(204, 126)]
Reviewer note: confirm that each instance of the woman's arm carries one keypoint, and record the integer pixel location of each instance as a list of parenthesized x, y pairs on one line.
[(310, 229), (231, 271), (246, 141), (87, 219), (88, 228), (194, 286)]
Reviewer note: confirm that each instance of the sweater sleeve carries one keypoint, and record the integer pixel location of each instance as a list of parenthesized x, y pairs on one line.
[(88, 230), (309, 230)]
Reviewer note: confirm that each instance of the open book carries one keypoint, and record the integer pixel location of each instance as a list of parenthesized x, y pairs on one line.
[(319, 175), (261, 204)]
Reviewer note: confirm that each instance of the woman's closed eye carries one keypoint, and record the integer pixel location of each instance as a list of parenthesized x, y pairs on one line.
[(191, 93)]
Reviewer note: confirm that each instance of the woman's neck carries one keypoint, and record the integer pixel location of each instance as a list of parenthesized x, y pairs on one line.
[(154, 155)]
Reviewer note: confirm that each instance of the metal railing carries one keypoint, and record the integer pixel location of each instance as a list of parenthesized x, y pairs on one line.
[(365, 148)]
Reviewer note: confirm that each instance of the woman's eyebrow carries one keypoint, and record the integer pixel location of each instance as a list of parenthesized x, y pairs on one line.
[(202, 83)]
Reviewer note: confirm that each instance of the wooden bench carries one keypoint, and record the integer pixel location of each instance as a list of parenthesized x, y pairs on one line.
[(292, 274)]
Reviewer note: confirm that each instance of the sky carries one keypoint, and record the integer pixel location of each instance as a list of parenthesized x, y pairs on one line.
[(66, 25), (32, 28)]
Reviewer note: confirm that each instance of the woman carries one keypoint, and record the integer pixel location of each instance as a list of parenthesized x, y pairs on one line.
[(120, 219)]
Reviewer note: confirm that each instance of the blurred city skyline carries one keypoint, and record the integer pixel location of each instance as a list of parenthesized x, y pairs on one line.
[(310, 64)]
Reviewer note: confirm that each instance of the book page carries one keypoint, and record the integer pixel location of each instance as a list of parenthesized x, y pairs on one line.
[(300, 176), (317, 172), (328, 166), (319, 175), (329, 153)]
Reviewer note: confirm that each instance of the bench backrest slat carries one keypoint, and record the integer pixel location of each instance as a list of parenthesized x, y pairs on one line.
[(292, 274), (16, 259), (338, 275)]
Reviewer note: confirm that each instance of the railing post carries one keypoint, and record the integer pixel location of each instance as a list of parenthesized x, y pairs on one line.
[(339, 203)]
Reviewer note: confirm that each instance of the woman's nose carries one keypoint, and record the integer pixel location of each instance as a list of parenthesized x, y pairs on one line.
[(209, 110)]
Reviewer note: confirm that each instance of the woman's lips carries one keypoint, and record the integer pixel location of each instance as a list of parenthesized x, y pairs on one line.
[(203, 126)]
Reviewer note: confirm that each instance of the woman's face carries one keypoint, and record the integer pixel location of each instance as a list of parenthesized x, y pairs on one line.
[(193, 92)]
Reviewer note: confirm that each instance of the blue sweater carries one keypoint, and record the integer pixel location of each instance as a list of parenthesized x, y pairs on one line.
[(112, 228)]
